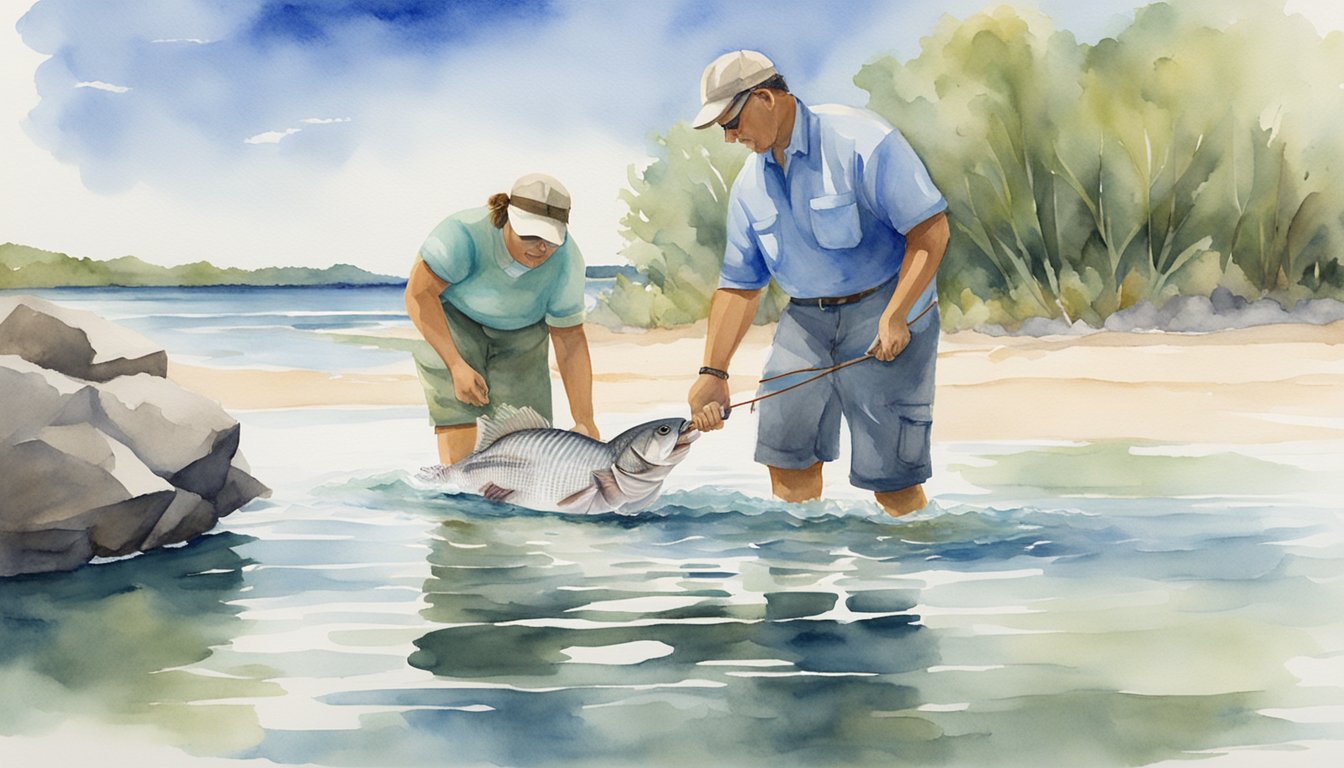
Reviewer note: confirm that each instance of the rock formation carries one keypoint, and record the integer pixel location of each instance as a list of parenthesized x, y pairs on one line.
[(100, 454)]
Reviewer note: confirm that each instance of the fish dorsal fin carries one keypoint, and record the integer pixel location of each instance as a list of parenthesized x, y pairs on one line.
[(507, 420)]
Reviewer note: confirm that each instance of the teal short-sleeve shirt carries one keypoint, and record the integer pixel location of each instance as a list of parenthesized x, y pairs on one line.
[(487, 285)]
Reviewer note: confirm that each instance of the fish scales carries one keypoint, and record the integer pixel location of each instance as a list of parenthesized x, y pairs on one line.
[(539, 464), (521, 459)]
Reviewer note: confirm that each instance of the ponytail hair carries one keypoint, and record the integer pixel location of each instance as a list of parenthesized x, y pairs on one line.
[(499, 209)]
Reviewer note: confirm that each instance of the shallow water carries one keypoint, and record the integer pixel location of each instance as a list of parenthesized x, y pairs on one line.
[(359, 618), (241, 326), (1059, 604), (232, 326)]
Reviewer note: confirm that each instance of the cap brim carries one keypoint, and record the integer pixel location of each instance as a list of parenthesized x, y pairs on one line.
[(532, 225), (709, 114), (731, 109)]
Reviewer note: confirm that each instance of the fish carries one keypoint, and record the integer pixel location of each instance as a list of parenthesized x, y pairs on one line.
[(519, 458)]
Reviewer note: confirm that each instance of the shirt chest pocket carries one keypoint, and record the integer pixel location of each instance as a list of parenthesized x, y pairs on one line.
[(835, 220)]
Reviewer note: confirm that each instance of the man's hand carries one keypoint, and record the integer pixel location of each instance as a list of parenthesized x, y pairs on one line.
[(469, 386), (588, 428), (708, 399), (893, 336)]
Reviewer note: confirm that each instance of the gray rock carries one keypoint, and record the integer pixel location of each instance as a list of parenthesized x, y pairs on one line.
[(189, 515), (52, 549), (74, 342), (33, 396), (103, 467), (181, 436), (240, 488), (44, 487)]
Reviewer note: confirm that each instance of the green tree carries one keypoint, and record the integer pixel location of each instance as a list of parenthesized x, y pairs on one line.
[(1169, 160), (676, 230), (1197, 149)]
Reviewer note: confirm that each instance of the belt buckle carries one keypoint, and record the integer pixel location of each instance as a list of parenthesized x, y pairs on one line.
[(821, 304)]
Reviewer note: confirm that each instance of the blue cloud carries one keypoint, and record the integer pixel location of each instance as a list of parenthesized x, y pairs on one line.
[(191, 95), (424, 24)]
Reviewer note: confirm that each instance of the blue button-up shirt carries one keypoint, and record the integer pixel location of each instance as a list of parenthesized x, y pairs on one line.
[(833, 221)]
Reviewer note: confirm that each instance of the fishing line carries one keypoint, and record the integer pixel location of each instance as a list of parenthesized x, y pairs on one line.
[(824, 371)]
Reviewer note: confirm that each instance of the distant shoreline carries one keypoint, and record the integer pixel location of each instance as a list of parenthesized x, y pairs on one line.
[(25, 268), (597, 272), (208, 287)]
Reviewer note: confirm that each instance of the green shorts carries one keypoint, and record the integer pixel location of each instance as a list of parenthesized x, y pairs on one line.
[(515, 364)]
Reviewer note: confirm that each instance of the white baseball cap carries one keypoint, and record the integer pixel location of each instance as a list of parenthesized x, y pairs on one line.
[(730, 74), (539, 207)]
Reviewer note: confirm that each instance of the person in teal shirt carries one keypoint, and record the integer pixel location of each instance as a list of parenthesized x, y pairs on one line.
[(490, 285)]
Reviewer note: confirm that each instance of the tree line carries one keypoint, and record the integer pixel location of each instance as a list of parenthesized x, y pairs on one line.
[(1197, 149)]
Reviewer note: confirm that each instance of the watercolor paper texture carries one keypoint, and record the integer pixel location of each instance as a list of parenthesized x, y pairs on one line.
[(1133, 548)]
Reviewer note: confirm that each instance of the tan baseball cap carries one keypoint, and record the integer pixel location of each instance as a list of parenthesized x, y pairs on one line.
[(539, 207), (729, 75)]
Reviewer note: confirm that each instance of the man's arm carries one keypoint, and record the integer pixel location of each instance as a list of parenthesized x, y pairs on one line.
[(731, 311), (576, 371), (424, 307), (924, 249)]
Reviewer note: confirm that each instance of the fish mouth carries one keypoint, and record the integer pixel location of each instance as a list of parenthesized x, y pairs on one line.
[(689, 434)]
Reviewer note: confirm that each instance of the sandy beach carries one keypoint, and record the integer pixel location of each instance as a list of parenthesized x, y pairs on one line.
[(1264, 384)]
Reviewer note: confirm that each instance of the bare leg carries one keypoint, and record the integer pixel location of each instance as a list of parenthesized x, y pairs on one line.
[(796, 484), (455, 442), (902, 502)]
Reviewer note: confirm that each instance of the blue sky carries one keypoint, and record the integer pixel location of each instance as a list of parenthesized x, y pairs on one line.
[(312, 132)]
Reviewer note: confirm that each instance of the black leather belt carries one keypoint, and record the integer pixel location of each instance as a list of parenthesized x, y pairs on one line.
[(834, 301)]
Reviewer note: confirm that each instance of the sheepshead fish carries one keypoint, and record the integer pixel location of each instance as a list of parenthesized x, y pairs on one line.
[(519, 458)]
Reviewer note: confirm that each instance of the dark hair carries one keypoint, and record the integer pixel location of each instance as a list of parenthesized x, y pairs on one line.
[(499, 209), (775, 83)]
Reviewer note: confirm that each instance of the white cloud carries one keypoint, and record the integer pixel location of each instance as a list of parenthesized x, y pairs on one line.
[(271, 137), (1326, 15), (419, 138), (373, 211), (100, 85)]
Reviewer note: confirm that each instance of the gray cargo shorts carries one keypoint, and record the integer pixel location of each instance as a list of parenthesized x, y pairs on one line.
[(888, 407)]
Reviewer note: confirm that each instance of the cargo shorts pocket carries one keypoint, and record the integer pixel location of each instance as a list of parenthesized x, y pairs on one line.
[(835, 221), (912, 445)]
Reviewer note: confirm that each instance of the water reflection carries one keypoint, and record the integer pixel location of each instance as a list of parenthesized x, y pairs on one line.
[(611, 638), (381, 624), (115, 641), (1123, 634)]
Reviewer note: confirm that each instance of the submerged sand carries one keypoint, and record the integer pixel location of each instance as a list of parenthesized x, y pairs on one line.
[(1255, 385)]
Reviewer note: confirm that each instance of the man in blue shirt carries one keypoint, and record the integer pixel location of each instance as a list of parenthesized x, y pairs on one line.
[(838, 209)]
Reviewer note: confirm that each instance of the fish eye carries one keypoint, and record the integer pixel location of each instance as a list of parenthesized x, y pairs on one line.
[(663, 430)]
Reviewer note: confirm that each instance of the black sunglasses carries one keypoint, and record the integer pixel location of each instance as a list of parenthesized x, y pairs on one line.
[(731, 125), (535, 239)]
